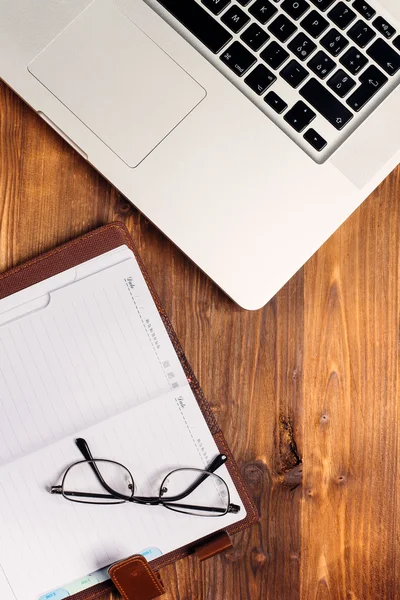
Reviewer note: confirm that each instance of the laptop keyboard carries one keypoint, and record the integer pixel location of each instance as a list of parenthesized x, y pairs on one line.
[(317, 68)]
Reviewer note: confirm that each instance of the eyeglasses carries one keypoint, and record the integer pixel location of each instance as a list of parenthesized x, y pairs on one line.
[(204, 493)]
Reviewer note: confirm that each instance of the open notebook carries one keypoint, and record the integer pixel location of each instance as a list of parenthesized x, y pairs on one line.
[(85, 353)]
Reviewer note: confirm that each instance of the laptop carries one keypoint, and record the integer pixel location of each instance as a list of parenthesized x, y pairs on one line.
[(246, 130)]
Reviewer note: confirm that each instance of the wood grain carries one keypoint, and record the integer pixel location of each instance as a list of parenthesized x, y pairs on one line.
[(306, 389)]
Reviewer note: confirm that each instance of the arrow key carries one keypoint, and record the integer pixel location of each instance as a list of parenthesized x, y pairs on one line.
[(276, 102), (299, 116), (372, 80), (316, 140)]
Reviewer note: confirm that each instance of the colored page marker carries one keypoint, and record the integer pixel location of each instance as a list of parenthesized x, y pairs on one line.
[(93, 579), (56, 595)]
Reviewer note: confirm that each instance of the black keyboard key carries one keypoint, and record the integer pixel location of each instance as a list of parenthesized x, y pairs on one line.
[(300, 116), (282, 28), (315, 24), (353, 60), (262, 10), (295, 8), (199, 22), (238, 58), (274, 55), (374, 77), (275, 102), (364, 9), (361, 34), (255, 37), (385, 56), (372, 80), (294, 73), (244, 2), (216, 6), (396, 42), (321, 64), (323, 4), (334, 42), (235, 18), (384, 27), (326, 104), (342, 15), (316, 140), (341, 83), (260, 79), (302, 46)]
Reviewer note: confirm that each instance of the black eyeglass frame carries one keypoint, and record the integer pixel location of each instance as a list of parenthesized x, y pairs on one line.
[(117, 498)]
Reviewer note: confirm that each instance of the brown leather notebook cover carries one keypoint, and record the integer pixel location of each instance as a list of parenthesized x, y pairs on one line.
[(74, 253)]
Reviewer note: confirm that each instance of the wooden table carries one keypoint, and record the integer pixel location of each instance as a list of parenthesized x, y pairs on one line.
[(306, 389)]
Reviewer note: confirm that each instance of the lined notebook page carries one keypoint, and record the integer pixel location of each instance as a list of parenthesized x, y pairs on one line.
[(97, 347), (59, 541), (86, 354)]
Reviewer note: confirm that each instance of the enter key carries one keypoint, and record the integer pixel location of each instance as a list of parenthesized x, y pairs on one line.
[(372, 80)]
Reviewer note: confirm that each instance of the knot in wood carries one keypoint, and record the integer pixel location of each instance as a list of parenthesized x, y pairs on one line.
[(258, 558), (289, 456), (253, 476), (324, 420)]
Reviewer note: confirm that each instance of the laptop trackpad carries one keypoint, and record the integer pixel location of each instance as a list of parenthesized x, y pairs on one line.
[(117, 81)]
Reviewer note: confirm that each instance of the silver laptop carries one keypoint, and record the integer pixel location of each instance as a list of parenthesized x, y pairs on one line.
[(246, 130)]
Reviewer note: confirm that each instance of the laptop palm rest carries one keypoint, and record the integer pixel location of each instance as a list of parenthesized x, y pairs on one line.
[(117, 81)]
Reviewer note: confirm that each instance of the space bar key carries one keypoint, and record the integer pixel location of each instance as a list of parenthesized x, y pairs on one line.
[(326, 104), (199, 22)]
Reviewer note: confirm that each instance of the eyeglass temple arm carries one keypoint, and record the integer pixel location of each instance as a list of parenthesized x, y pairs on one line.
[(232, 508), (215, 464), (83, 446), (84, 449)]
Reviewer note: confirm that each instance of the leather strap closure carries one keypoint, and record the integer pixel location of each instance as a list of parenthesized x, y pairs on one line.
[(135, 579), (213, 545)]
